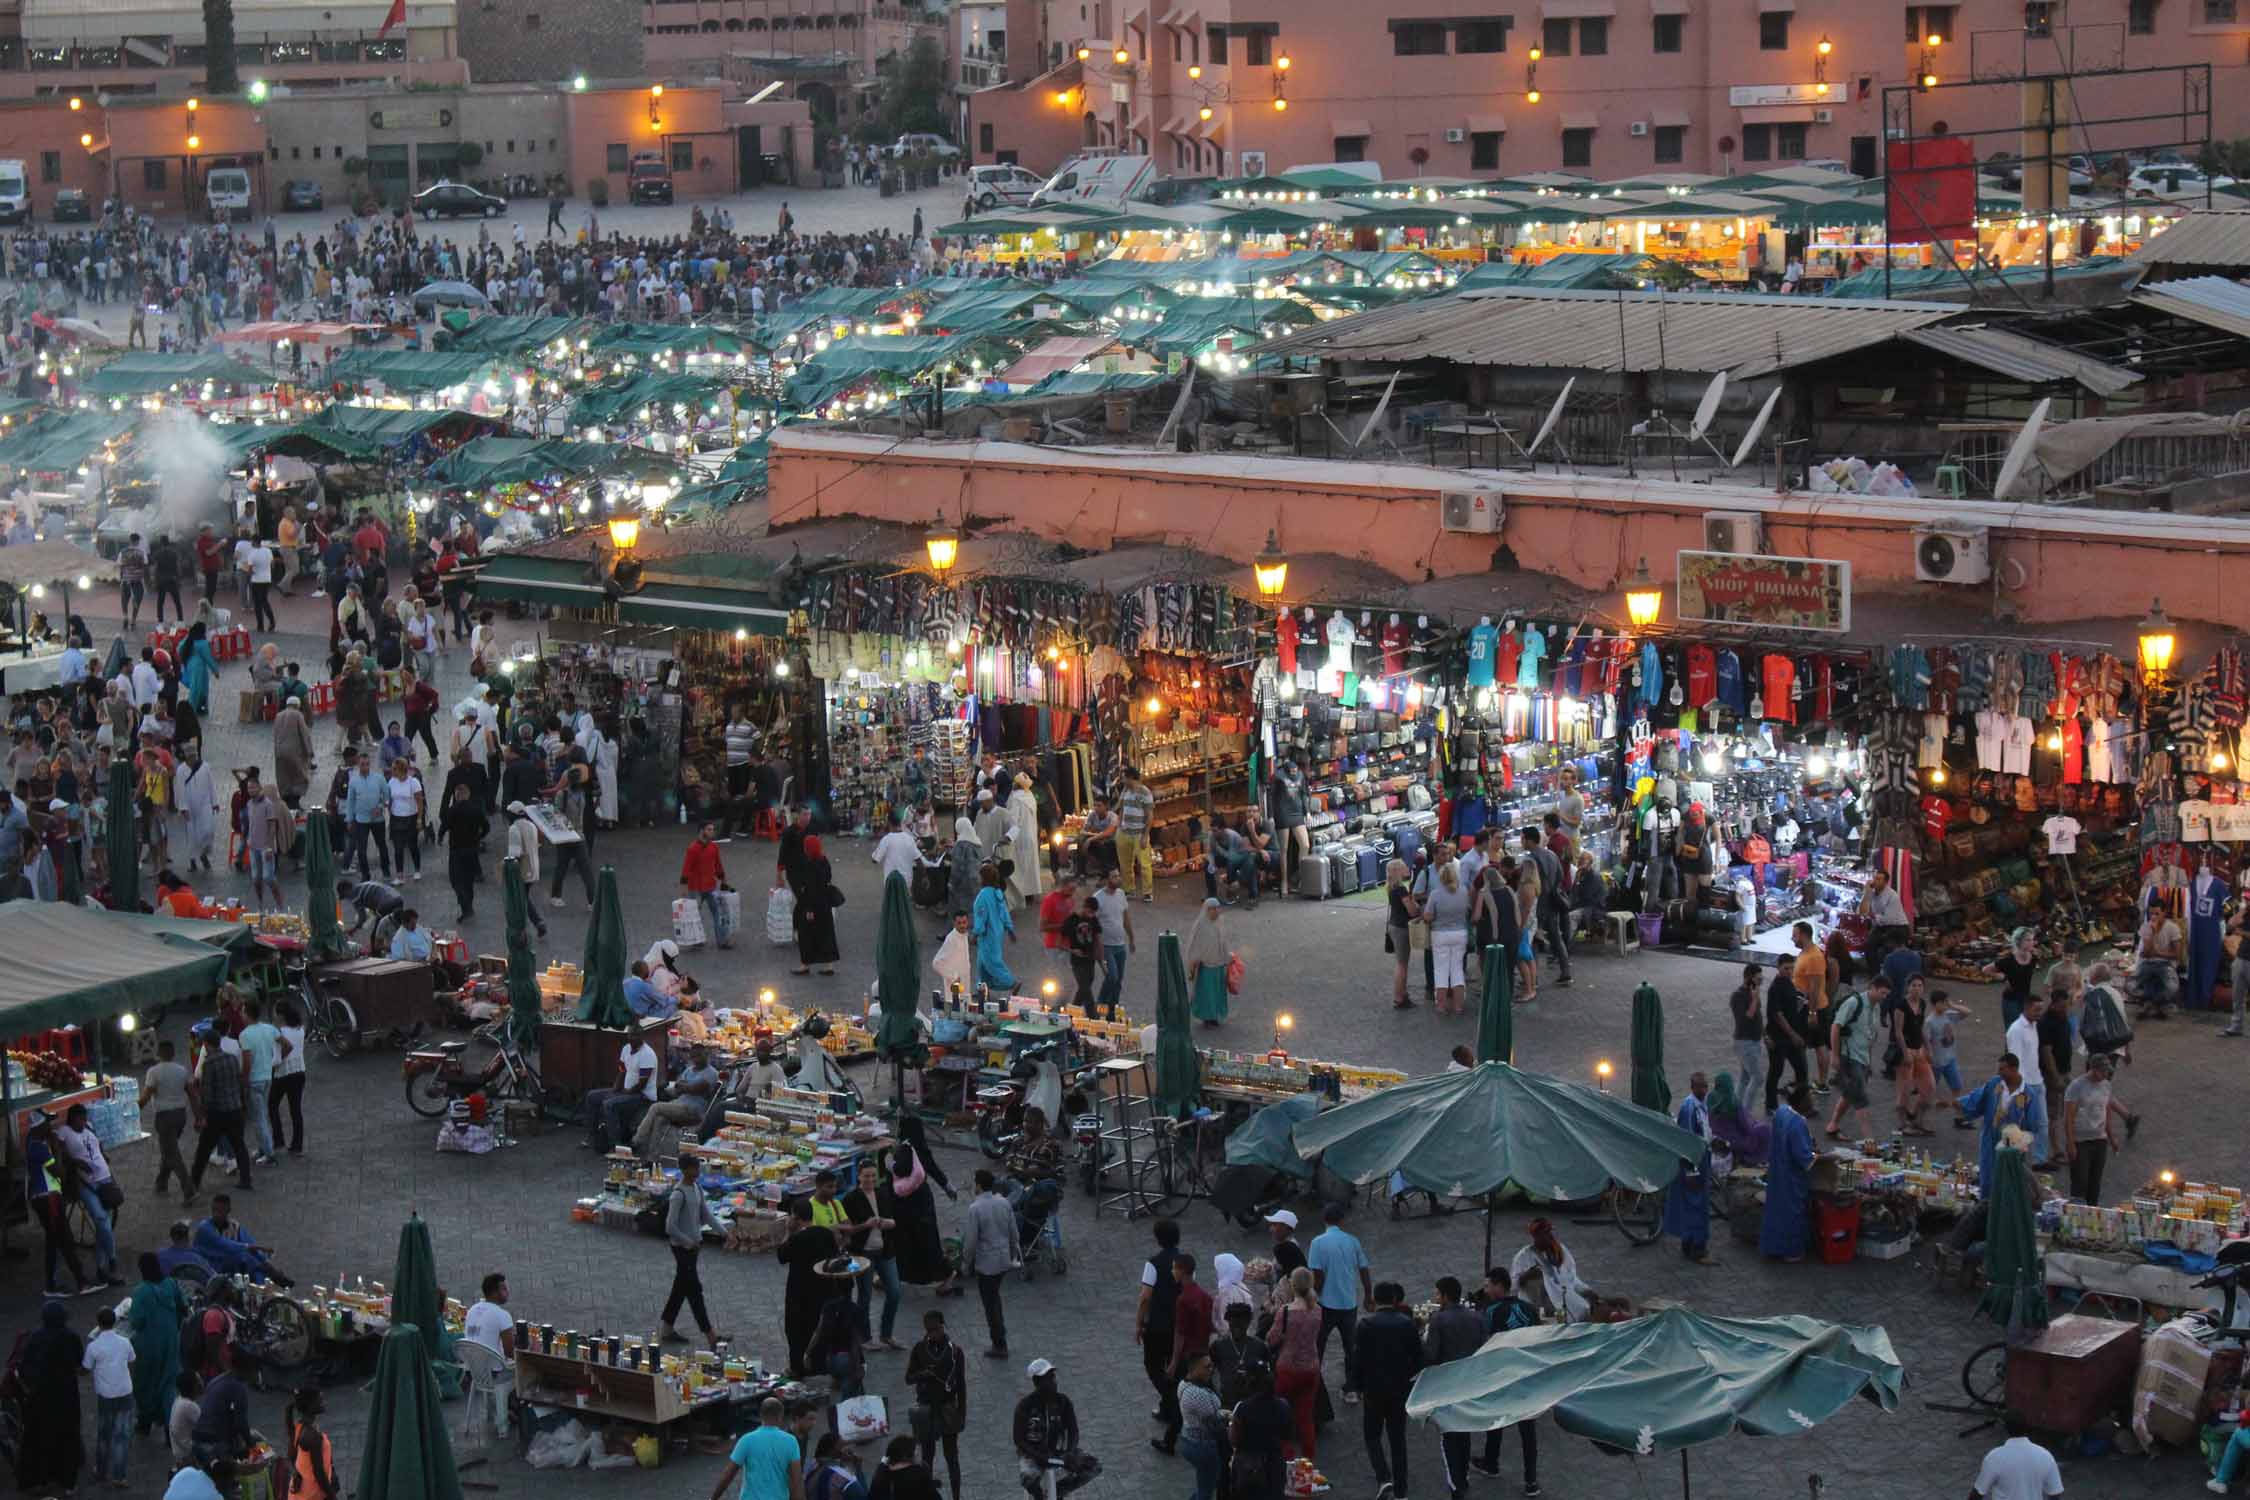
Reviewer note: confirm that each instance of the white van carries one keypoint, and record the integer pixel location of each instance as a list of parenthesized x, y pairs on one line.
[(227, 191), (1105, 179), (15, 193)]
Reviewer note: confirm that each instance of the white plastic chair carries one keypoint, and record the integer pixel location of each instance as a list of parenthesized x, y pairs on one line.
[(490, 1381)]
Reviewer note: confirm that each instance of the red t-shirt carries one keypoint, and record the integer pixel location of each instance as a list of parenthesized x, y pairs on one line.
[(2073, 751), (1937, 816), (1394, 648), (1702, 675), (368, 541), (1506, 658), (1779, 675), (1286, 630), (1823, 694)]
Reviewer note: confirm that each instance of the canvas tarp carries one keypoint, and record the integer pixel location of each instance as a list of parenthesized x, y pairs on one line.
[(147, 373), (69, 965), (2063, 448), (53, 445), (651, 339), (516, 335), (484, 462), (623, 397), (409, 372)]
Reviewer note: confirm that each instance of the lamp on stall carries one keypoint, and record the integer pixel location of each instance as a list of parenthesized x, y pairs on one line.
[(1270, 568), (1643, 599), (2157, 642), (624, 532), (1602, 1071), (1282, 1025), (943, 544)]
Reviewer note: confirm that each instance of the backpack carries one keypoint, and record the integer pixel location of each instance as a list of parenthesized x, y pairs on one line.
[(195, 1342), (2101, 1024)]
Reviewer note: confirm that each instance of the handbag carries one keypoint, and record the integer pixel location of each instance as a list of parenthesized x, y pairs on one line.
[(835, 896), (1418, 935), (862, 1419), (1236, 969), (111, 1195)]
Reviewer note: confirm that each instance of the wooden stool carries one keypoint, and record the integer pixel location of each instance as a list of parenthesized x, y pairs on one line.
[(1621, 932)]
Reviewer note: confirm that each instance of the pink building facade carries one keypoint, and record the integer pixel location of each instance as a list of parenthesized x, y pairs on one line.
[(1623, 87)]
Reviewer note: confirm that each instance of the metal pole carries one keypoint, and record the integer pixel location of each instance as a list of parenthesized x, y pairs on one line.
[(1687, 1485)]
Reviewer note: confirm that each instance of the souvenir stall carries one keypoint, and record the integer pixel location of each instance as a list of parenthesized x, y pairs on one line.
[(1539, 706), (1190, 740)]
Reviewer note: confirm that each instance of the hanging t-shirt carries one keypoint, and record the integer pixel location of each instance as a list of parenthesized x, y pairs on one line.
[(1570, 675), (2062, 832), (1394, 647), (2195, 822), (1483, 641), (1779, 676), (1992, 738), (1650, 688), (1930, 749), (1730, 689), (1286, 631), (2097, 751), (1822, 705), (1507, 653), (1937, 816), (1702, 675), (2074, 743), (1534, 655), (1341, 635), (2015, 757)]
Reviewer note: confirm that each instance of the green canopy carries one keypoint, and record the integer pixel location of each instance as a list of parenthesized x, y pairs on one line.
[(1571, 271), (524, 1009), (1495, 1126), (72, 965), (2015, 1273), (414, 1288), (1096, 383), (121, 841), (360, 432), (325, 934), (484, 462), (60, 443), (601, 997), (1263, 1139), (651, 339), (72, 875), (1309, 179), (517, 335), (1179, 1070), (671, 400), (1496, 1010), (1651, 1090), (409, 372), (148, 373), (405, 1453), (235, 939), (1664, 1382), (898, 968)]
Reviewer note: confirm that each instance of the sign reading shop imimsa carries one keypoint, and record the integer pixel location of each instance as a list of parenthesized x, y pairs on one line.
[(1777, 593)]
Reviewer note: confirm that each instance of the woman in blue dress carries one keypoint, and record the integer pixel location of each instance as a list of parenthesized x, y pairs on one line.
[(993, 927), (197, 667), (1207, 959)]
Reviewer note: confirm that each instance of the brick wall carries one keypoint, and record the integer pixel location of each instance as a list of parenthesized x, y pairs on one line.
[(546, 41)]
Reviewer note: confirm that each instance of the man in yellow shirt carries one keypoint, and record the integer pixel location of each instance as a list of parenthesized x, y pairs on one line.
[(827, 1211), (1810, 974)]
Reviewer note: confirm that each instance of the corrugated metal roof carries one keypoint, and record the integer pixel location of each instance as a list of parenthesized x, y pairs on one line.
[(2020, 358), (1744, 335), (2215, 301), (2219, 237)]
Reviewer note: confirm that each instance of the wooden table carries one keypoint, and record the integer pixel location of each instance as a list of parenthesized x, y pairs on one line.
[(603, 1390), (578, 1057), (1468, 432), (2074, 1373)]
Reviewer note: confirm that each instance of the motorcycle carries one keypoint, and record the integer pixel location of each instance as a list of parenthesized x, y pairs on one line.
[(436, 1076), (1033, 1080)]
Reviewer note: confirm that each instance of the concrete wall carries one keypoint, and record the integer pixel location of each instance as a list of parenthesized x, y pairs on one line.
[(2057, 566), (693, 116), (546, 41)]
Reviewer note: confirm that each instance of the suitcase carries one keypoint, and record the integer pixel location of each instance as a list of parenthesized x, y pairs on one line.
[(1343, 873), (1406, 840), (1370, 866), (1312, 876)]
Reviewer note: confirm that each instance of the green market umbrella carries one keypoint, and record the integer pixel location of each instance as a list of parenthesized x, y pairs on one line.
[(1179, 1071), (1496, 1011), (1650, 1088), (2015, 1274), (1665, 1382), (602, 998), (71, 877), (524, 1010), (406, 1454), (324, 934), (414, 1288), (898, 968), (121, 841)]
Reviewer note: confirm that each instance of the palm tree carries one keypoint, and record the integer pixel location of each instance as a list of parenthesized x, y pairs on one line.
[(219, 74)]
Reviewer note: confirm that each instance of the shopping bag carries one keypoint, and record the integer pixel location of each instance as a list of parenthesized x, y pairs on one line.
[(781, 910), (861, 1419), (730, 901), (1236, 969), (687, 922)]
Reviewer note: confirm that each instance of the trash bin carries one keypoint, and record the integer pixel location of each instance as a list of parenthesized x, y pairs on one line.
[(1836, 1229), (1652, 929)]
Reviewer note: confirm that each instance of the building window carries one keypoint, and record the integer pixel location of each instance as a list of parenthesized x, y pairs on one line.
[(1218, 39), (152, 176), (1593, 37), (1179, 49), (984, 138), (1257, 49), (1484, 150), (511, 148), (1351, 148), (531, 20), (1578, 148), (1554, 38), (2218, 12), (1668, 31), (683, 156), (50, 166), (2140, 17), (1671, 143), (1924, 21), (273, 153), (1481, 36), (1773, 31), (316, 153), (1418, 38), (1757, 143), (1789, 141), (619, 157), (297, 153)]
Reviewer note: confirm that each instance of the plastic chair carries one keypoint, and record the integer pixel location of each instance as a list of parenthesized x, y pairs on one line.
[(489, 1380), (1953, 480)]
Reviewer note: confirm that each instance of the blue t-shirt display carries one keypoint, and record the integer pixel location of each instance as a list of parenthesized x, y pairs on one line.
[(1534, 654), (1482, 642)]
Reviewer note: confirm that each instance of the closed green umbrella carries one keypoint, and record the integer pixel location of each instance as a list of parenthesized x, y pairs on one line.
[(325, 935), (122, 841), (602, 998), (1179, 1071), (1650, 1089), (407, 1455), (898, 968), (2015, 1273), (524, 1010), (71, 878), (414, 1288), (1496, 1016)]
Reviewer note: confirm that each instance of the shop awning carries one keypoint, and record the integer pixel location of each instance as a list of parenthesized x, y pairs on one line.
[(1580, 119), (1673, 117), (1776, 5), (1777, 114), (145, 373), (1488, 124), (1345, 128), (70, 965), (512, 578), (1668, 7), (704, 607), (1559, 10), (409, 371)]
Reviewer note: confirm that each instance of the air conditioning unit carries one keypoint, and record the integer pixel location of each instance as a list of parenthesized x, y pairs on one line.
[(1824, 117), (1952, 554), (1733, 531), (1469, 510), (1638, 127), (1456, 136)]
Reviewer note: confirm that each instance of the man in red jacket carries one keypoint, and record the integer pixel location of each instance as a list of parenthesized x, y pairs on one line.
[(210, 554), (420, 701), (701, 876)]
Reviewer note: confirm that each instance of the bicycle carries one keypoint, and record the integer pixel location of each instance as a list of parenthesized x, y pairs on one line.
[(329, 1018), (1172, 1176)]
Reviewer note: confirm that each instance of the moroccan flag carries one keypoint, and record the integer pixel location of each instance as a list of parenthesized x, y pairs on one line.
[(396, 17), (1933, 190)]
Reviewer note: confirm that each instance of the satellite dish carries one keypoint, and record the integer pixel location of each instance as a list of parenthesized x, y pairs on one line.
[(2019, 452), (1708, 407), (1554, 415), (1757, 428)]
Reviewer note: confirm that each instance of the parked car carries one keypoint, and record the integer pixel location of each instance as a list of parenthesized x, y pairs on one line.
[(72, 206), (301, 195), (449, 199), (648, 180), (2173, 182), (989, 187), (921, 141)]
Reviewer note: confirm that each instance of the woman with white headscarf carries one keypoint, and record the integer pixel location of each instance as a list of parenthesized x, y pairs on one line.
[(663, 967), (1206, 956), (962, 862), (1231, 1290), (1023, 839)]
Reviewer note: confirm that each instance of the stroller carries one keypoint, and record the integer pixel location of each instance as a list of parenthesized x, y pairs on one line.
[(927, 885), (1039, 1229)]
